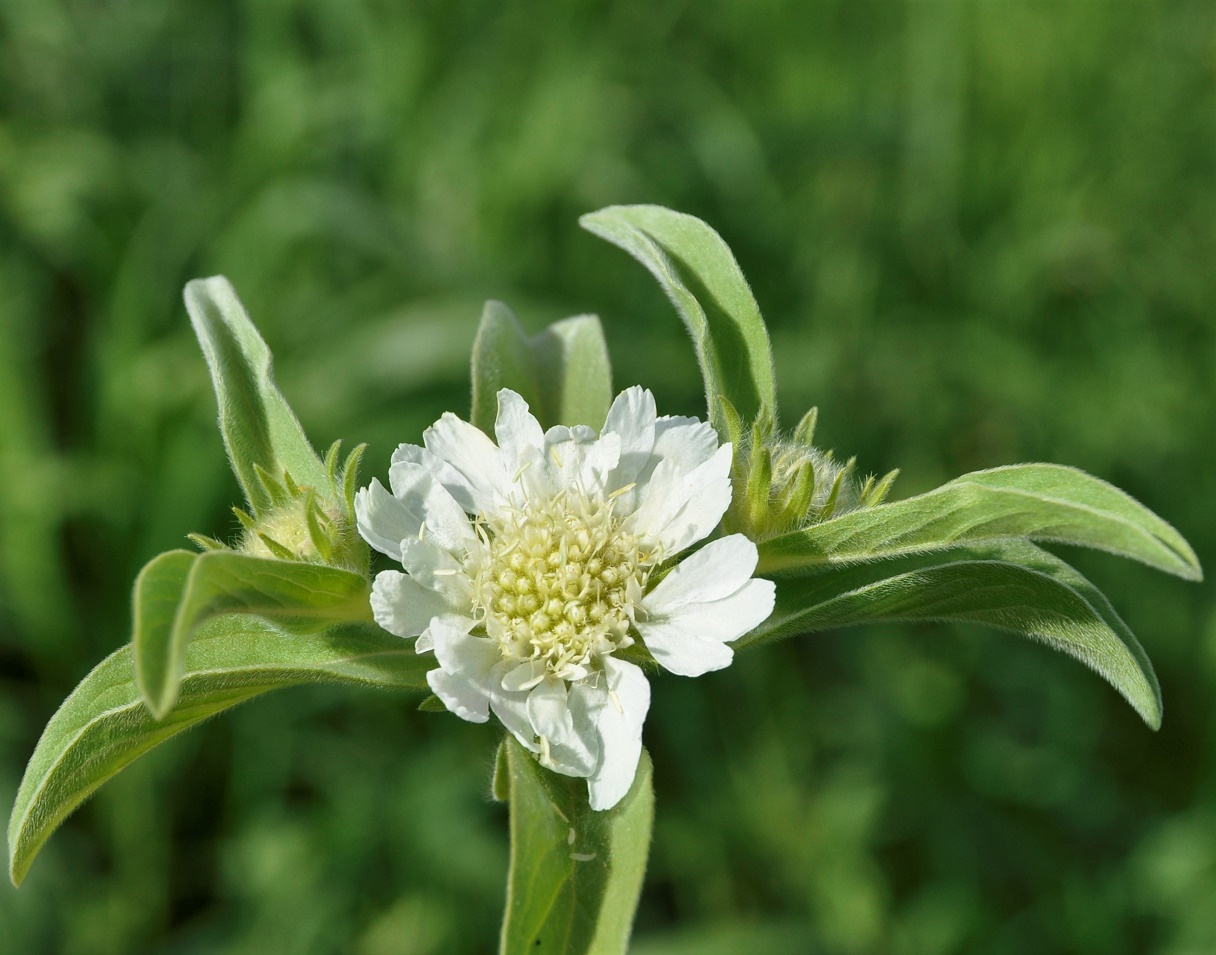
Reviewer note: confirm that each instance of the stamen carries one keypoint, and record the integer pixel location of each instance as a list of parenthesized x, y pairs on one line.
[(622, 490), (558, 582)]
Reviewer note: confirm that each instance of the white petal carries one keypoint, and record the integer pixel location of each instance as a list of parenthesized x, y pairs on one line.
[(467, 674), (524, 676), (680, 510), (618, 711), (436, 569), (692, 639), (467, 698), (632, 417), (684, 652), (451, 479), (598, 463), (512, 711), (686, 442), (425, 642), (717, 570), (578, 433), (382, 519), (403, 606), (520, 436), (426, 501), (564, 749), (576, 458), (474, 457), (460, 652)]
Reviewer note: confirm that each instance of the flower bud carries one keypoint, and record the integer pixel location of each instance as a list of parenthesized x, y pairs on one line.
[(305, 524), (783, 483)]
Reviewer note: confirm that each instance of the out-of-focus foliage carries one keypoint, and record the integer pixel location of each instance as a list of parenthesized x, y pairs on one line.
[(980, 232)]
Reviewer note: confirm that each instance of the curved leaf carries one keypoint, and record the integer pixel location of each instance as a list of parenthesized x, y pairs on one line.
[(1043, 502), (221, 582), (1011, 586), (563, 373), (576, 874), (259, 427), (701, 277), (103, 725), (154, 601)]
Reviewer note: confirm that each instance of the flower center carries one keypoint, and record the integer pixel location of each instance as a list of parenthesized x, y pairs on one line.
[(554, 588)]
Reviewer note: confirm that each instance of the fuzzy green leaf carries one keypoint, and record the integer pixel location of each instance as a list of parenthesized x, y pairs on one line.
[(575, 873), (563, 373), (154, 601), (308, 596), (1011, 585), (1042, 502), (103, 725), (703, 281), (259, 427)]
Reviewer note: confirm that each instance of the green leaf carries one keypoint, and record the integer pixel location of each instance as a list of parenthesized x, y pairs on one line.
[(575, 873), (1010, 585), (154, 601), (225, 582), (1043, 502), (701, 277), (259, 427), (103, 725), (563, 373)]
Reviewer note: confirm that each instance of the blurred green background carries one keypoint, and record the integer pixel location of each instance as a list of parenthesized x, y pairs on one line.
[(982, 232)]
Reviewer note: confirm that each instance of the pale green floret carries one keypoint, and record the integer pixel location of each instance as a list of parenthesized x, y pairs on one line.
[(555, 587)]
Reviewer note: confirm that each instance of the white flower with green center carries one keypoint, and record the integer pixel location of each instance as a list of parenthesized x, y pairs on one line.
[(531, 563)]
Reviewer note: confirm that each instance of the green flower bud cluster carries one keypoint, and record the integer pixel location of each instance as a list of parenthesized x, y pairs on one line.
[(783, 482), (302, 523)]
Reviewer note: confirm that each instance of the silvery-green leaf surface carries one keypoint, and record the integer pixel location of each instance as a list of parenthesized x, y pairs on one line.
[(563, 373), (576, 874), (259, 427), (308, 596), (103, 726), (1042, 502), (701, 277)]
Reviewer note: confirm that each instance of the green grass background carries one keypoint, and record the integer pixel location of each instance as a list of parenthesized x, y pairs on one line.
[(982, 233)]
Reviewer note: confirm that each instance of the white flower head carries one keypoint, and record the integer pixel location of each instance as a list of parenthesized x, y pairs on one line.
[(531, 562)]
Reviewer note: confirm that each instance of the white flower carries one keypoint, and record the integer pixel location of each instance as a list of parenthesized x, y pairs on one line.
[(529, 563)]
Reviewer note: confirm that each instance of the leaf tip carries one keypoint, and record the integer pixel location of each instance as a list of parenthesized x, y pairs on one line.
[(158, 700)]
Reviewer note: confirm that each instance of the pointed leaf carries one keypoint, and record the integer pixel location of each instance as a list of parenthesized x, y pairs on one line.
[(225, 582), (563, 373), (259, 427), (1043, 502), (1009, 585), (701, 277), (575, 873), (103, 725)]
